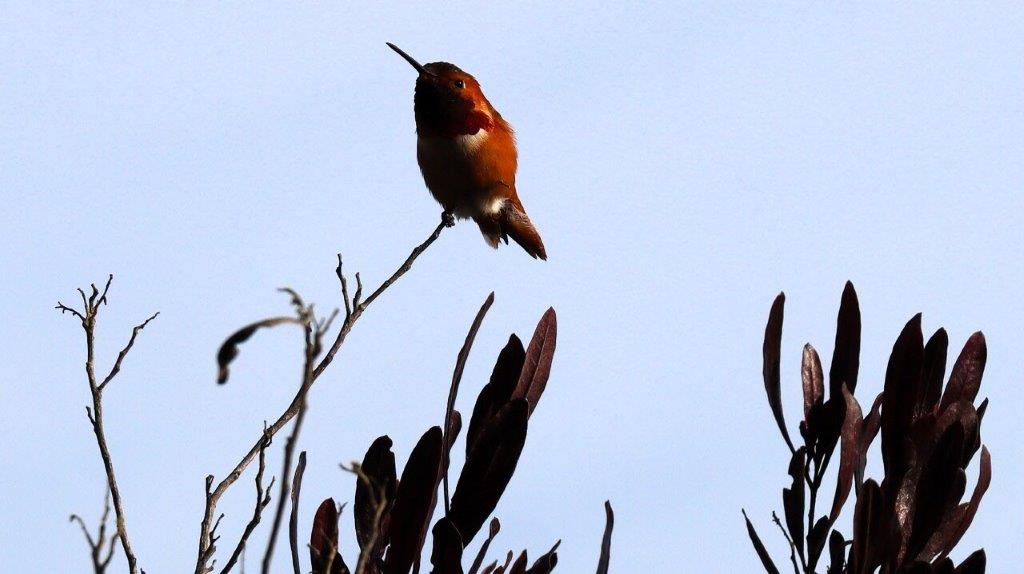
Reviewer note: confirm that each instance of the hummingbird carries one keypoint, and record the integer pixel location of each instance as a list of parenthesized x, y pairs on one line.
[(467, 155)]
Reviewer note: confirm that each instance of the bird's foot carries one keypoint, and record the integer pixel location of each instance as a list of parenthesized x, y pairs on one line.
[(448, 218)]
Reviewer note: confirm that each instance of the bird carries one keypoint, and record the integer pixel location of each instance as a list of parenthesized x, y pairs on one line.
[(467, 155)]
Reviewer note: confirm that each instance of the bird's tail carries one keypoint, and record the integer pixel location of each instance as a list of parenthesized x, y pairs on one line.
[(513, 222)]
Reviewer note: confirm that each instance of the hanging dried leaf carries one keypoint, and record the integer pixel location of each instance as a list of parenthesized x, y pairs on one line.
[(771, 369), (229, 350)]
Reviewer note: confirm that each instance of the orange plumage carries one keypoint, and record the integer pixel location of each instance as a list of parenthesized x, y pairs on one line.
[(467, 154)]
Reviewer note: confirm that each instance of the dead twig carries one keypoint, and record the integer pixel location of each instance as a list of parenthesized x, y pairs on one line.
[(100, 561), (87, 316), (354, 309)]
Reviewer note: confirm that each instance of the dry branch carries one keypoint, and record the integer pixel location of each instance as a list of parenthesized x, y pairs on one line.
[(90, 310)]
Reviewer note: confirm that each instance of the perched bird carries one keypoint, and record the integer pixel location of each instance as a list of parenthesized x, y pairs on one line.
[(467, 154)]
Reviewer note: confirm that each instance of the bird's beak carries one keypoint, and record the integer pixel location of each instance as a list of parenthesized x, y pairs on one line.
[(419, 67)]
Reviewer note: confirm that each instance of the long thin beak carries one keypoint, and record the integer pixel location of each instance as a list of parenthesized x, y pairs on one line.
[(419, 67)]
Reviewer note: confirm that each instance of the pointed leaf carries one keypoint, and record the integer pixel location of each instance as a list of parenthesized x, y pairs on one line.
[(850, 453), (324, 554), (537, 366), (414, 502), (813, 381), (606, 540), (771, 369), (934, 372), (965, 378), (489, 468), (447, 553), (973, 564), (793, 499), (902, 387), (846, 356), (498, 391), (984, 480), (816, 541), (762, 552), (379, 467), (547, 562)]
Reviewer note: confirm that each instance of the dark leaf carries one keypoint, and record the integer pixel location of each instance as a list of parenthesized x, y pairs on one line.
[(850, 453), (606, 540), (229, 350), (414, 501), (869, 430), (453, 392), (492, 532), (537, 366), (965, 378), (869, 530), (489, 468), (498, 391), (324, 553), (547, 562), (519, 566), (762, 552), (816, 541), (813, 382), (772, 351), (934, 372), (447, 554), (836, 552), (984, 480), (793, 499), (973, 564), (846, 356), (379, 467), (902, 387)]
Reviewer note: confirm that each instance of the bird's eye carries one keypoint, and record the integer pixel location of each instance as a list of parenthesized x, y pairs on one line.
[(460, 84)]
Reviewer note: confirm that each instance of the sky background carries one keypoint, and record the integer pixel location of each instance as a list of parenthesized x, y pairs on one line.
[(684, 162)]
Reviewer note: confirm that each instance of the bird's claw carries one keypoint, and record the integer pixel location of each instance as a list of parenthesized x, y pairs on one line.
[(448, 218)]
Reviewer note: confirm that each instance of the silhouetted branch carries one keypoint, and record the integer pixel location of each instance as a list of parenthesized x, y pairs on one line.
[(293, 522), (87, 316), (262, 500), (354, 309), (97, 544)]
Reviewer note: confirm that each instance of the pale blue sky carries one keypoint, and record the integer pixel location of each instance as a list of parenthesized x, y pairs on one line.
[(684, 163)]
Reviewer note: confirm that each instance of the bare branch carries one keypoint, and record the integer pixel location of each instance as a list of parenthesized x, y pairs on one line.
[(124, 352), (97, 543), (90, 308), (354, 310), (792, 547), (293, 522), (262, 500)]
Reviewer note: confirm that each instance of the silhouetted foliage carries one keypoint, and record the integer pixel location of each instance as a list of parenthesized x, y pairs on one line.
[(392, 516), (910, 520)]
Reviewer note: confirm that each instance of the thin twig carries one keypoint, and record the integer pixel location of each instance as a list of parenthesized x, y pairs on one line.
[(262, 500), (357, 308), (293, 522), (87, 316), (379, 500), (97, 543), (792, 547)]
